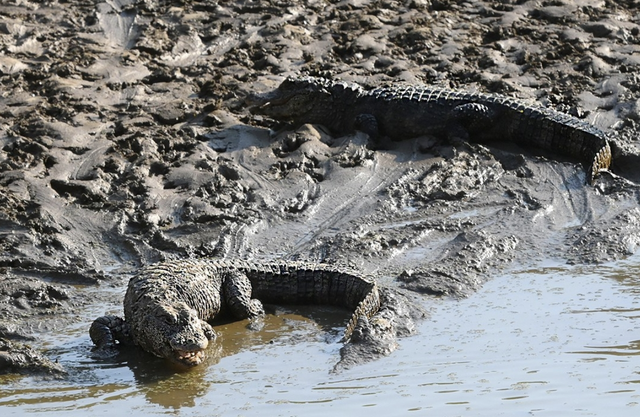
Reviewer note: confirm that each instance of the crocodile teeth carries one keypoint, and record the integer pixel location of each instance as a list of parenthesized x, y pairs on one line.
[(193, 357)]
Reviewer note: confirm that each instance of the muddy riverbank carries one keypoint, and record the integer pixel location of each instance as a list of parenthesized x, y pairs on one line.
[(124, 141)]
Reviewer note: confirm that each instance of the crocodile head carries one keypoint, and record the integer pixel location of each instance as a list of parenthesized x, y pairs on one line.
[(296, 99), (175, 332)]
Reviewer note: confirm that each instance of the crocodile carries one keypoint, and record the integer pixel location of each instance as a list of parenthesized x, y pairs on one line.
[(168, 306), (405, 112)]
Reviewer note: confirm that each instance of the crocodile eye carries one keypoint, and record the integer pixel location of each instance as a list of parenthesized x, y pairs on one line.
[(167, 318)]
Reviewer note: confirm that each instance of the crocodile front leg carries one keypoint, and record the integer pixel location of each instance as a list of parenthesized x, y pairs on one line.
[(107, 331), (237, 296)]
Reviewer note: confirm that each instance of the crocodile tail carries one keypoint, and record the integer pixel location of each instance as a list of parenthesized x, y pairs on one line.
[(366, 308), (601, 161)]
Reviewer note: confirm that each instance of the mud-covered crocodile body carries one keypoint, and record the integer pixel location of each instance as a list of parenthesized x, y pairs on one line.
[(410, 111), (168, 305)]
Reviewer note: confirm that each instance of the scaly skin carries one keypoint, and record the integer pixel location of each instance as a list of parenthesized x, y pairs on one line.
[(168, 305), (410, 111)]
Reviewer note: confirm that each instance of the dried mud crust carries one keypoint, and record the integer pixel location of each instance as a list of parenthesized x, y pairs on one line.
[(124, 141)]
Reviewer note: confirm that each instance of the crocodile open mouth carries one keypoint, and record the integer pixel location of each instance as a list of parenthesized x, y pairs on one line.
[(190, 357)]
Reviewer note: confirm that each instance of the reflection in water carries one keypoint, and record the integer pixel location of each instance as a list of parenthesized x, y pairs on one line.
[(166, 385), (548, 342)]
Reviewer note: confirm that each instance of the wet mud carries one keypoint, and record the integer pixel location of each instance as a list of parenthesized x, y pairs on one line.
[(124, 140)]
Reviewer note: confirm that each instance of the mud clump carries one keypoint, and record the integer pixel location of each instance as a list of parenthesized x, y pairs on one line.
[(125, 140), (470, 256), (19, 358)]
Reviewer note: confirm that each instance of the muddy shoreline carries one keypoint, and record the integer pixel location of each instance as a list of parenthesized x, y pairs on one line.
[(124, 140)]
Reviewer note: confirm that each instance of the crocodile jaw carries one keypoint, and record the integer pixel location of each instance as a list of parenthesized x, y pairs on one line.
[(272, 104), (189, 358)]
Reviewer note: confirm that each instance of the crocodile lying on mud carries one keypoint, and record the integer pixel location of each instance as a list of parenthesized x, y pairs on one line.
[(168, 305), (410, 111)]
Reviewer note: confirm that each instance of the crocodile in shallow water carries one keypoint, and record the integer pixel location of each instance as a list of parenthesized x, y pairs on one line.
[(410, 111), (168, 305)]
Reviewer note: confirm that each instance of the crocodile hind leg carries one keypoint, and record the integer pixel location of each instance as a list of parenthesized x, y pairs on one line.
[(469, 125), (465, 120), (107, 331), (368, 124), (236, 289)]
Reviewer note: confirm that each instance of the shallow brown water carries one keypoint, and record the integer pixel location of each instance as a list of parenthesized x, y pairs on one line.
[(552, 341)]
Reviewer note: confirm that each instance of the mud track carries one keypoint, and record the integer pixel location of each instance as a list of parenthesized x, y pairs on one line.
[(124, 141)]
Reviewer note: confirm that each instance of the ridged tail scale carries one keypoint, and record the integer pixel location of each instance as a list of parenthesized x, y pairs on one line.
[(559, 132), (318, 284)]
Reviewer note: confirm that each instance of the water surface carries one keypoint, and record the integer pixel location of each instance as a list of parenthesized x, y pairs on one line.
[(555, 341)]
